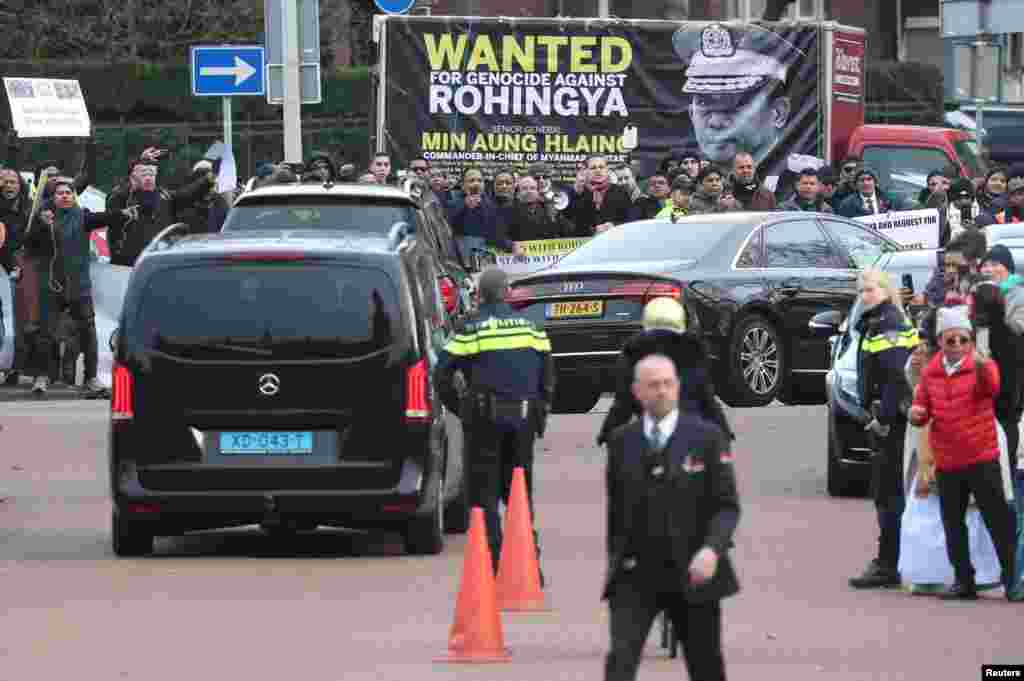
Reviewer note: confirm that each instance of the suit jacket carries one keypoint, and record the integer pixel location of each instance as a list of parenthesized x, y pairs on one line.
[(700, 469)]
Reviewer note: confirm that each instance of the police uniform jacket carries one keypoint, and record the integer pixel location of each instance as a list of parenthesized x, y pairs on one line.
[(696, 389), (887, 340), (696, 466), (500, 353)]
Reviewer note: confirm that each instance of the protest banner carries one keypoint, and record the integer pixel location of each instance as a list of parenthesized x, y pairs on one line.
[(46, 107), (498, 93), (910, 228), (536, 255)]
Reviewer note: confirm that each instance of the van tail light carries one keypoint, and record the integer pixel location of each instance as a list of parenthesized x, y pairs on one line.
[(646, 291), (450, 295), (519, 297), (417, 406), (122, 394)]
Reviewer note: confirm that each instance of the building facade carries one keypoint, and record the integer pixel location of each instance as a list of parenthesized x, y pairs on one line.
[(917, 39), (984, 49)]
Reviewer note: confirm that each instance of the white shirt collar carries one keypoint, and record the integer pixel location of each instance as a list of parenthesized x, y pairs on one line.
[(667, 425), (952, 368)]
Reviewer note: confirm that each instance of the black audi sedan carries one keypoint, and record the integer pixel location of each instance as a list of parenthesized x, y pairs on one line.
[(750, 282)]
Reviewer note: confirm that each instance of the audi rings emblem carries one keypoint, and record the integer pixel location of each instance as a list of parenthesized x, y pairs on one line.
[(269, 385)]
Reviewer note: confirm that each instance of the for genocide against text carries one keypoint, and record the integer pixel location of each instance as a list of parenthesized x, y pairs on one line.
[(528, 75)]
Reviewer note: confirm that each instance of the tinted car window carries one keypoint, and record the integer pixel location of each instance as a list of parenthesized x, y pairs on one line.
[(278, 309), (863, 245), (652, 240), (799, 243), (304, 213)]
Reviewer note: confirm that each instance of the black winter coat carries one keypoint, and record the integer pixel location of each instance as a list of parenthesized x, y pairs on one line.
[(14, 216), (529, 223), (1006, 346), (127, 239), (616, 208), (696, 391)]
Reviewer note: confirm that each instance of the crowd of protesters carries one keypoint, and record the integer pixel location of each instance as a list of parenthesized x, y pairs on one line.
[(947, 396)]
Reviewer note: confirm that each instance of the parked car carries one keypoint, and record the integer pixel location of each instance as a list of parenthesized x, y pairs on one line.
[(749, 281), (848, 454), (284, 379), (1010, 235)]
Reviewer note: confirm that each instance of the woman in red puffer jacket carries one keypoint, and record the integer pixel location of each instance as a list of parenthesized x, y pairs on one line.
[(957, 395)]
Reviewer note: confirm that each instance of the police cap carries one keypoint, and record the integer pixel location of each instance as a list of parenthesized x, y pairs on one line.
[(725, 61)]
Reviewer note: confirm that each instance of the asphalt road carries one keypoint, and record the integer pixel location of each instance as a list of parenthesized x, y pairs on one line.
[(329, 606)]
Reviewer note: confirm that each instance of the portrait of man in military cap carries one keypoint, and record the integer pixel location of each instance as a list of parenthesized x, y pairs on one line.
[(740, 83)]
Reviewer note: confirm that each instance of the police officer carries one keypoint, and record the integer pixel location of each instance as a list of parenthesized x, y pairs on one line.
[(508, 385), (664, 322), (888, 338)]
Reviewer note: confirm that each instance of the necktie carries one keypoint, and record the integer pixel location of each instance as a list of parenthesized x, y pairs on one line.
[(657, 439)]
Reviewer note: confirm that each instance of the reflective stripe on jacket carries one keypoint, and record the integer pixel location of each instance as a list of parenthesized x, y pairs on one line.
[(502, 353), (887, 341)]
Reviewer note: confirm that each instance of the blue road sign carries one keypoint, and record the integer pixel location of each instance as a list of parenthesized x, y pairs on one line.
[(394, 6), (227, 70)]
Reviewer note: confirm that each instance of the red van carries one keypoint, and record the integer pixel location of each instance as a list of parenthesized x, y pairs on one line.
[(903, 155)]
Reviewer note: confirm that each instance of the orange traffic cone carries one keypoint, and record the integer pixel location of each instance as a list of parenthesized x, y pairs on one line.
[(518, 572), (476, 635)]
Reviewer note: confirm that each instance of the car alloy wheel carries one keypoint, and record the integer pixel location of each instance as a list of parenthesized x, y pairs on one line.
[(757, 364), (759, 360)]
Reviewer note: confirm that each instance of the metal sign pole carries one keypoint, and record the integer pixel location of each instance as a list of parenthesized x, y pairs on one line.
[(227, 125), (292, 89)]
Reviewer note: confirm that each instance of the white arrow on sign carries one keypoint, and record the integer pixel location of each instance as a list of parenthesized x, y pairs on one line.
[(242, 71)]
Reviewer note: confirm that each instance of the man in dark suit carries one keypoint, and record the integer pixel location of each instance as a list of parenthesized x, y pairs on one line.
[(672, 511)]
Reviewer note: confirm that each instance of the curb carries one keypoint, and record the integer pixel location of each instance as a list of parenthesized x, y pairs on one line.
[(23, 393), (52, 395)]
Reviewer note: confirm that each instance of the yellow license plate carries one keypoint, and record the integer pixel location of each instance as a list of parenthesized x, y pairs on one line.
[(589, 308)]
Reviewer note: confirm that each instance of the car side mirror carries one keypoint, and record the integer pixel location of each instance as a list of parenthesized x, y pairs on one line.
[(114, 337), (825, 324)]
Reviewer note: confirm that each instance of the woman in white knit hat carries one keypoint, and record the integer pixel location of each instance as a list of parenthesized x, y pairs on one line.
[(924, 564)]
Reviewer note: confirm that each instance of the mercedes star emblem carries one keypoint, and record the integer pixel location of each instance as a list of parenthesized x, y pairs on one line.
[(269, 385)]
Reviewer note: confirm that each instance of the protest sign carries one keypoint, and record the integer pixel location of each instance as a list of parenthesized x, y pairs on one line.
[(44, 107), (910, 228), (536, 255)]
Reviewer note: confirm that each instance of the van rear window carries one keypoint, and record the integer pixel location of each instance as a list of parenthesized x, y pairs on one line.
[(303, 213), (283, 310)]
